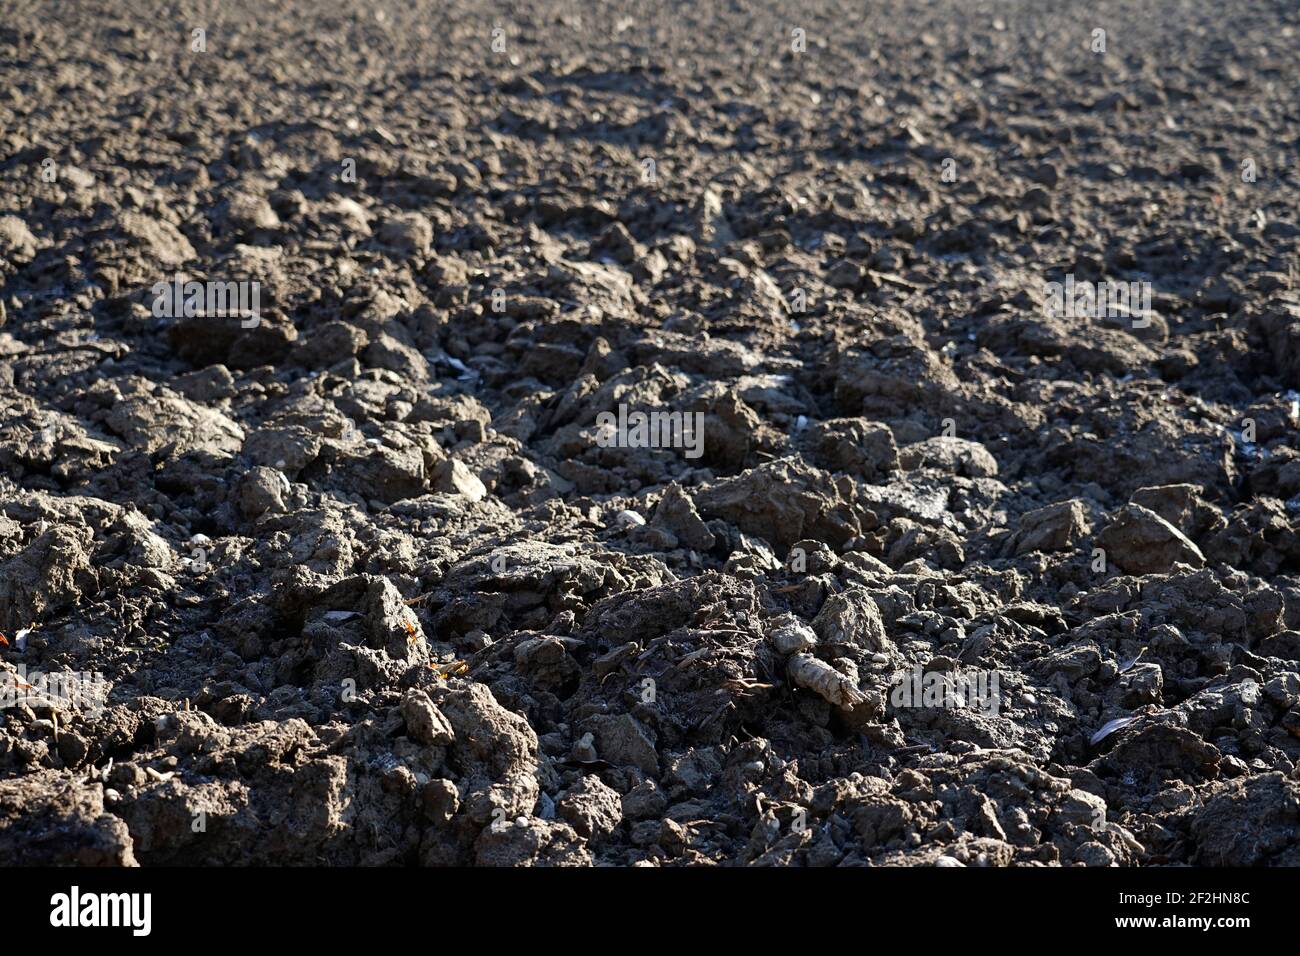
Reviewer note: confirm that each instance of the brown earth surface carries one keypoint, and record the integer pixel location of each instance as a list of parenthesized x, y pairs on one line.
[(368, 577)]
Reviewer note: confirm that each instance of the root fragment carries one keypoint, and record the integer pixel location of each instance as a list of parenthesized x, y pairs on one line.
[(816, 675)]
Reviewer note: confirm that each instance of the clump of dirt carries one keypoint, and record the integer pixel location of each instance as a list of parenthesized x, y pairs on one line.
[(641, 436)]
